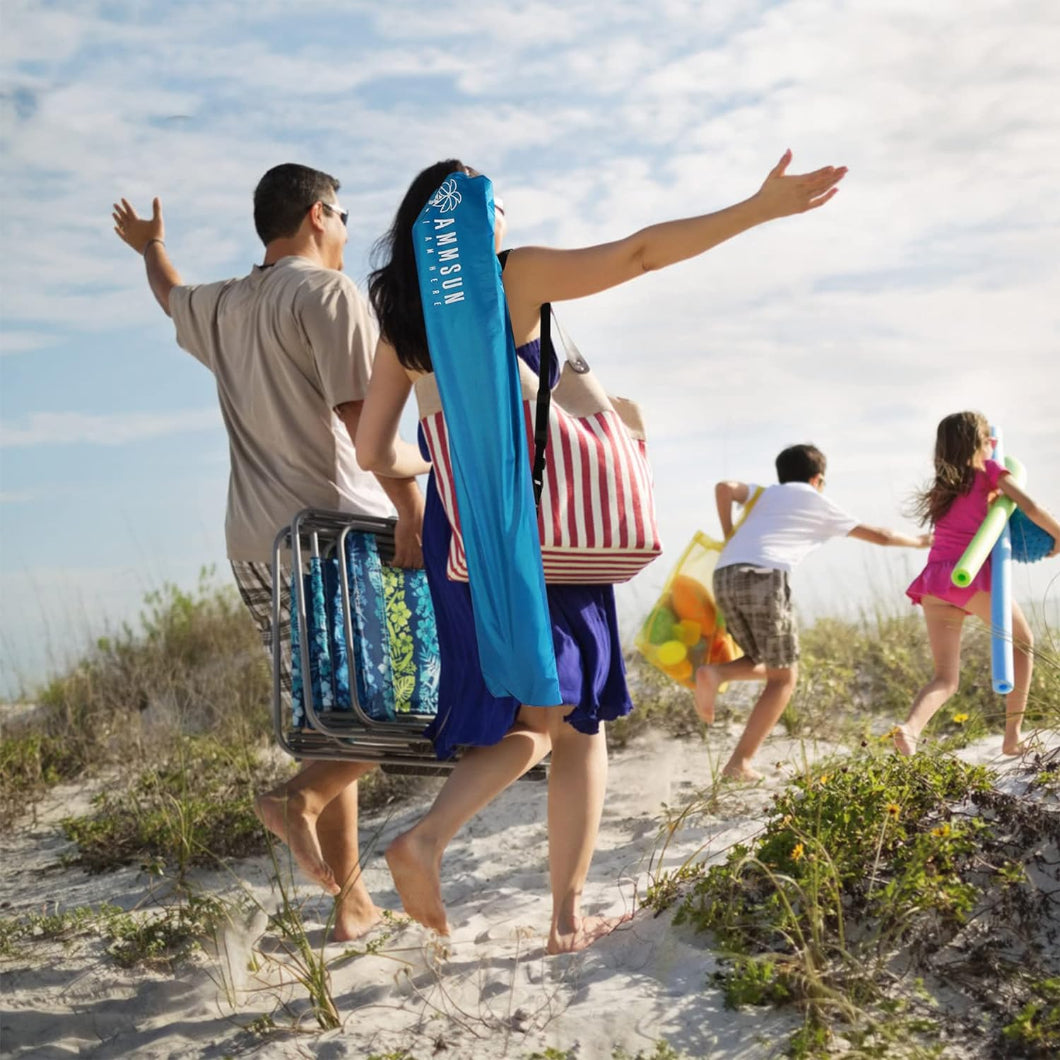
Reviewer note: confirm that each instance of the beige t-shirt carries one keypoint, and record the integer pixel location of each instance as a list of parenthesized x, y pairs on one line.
[(286, 345)]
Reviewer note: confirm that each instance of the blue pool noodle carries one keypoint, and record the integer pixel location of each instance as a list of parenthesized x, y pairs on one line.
[(1002, 670)]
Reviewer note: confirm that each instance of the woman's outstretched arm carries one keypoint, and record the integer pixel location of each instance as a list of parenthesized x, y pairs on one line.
[(534, 275)]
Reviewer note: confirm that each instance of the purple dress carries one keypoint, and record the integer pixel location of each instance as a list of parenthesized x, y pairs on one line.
[(592, 674)]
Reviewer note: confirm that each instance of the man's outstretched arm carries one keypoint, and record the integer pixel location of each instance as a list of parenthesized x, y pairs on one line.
[(146, 235)]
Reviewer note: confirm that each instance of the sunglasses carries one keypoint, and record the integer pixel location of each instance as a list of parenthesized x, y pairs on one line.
[(344, 215)]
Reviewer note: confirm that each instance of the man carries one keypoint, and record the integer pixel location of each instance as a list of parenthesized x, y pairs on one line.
[(291, 347)]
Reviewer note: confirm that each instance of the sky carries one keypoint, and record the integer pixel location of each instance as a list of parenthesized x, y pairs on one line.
[(931, 282)]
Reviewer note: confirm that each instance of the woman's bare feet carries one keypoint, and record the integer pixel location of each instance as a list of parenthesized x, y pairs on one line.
[(416, 871), (283, 816), (905, 740), (708, 680), (1014, 746), (581, 932)]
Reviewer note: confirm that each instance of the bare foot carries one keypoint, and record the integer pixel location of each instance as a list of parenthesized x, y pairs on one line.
[(298, 830), (415, 870), (707, 682), (1015, 746), (739, 771), (351, 924), (904, 740), (584, 931)]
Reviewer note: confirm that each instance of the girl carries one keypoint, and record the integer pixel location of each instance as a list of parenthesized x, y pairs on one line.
[(955, 504), (502, 737)]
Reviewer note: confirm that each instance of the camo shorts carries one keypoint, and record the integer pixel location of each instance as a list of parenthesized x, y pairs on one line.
[(756, 603)]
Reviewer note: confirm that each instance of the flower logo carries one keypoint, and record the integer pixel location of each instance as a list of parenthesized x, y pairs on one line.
[(446, 198)]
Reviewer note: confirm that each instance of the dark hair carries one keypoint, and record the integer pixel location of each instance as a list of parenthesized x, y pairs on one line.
[(800, 463), (393, 287), (284, 195), (958, 438)]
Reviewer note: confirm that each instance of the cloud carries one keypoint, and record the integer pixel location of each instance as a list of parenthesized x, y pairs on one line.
[(79, 428)]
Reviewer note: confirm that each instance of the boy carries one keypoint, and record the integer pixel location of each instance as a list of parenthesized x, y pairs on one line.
[(786, 524)]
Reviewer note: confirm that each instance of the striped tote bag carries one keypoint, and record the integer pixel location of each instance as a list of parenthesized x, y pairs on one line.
[(596, 510)]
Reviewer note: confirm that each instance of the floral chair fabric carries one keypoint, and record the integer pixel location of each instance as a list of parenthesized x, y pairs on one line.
[(394, 637)]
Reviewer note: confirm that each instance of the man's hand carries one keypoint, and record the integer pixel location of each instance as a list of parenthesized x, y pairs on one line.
[(135, 230), (408, 550)]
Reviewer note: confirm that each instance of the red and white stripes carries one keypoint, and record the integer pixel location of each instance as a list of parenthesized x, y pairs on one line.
[(597, 517)]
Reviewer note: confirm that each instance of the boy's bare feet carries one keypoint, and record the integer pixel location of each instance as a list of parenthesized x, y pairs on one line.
[(582, 932), (282, 816), (707, 682), (416, 873), (740, 771), (904, 740)]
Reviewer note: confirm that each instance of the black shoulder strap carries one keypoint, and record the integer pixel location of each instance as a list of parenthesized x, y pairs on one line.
[(544, 399), (502, 257)]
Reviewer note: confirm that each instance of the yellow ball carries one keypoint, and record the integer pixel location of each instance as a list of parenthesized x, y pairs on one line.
[(671, 653)]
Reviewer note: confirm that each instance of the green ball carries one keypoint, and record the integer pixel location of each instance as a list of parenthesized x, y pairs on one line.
[(661, 626)]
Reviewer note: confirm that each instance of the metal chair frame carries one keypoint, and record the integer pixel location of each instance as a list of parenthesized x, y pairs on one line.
[(397, 746)]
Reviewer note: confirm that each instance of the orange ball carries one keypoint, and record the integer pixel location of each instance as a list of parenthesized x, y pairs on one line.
[(692, 602)]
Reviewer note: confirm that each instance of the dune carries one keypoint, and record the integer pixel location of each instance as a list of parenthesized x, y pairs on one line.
[(486, 991)]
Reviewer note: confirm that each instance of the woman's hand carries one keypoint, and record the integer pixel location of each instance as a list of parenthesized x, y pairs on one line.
[(781, 195)]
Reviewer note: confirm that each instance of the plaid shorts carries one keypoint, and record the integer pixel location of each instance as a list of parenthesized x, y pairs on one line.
[(255, 587), (756, 603)]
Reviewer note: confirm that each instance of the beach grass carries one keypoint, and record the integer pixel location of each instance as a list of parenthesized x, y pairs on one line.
[(871, 880)]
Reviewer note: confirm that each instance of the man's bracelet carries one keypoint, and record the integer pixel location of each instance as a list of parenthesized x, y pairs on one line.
[(154, 240)]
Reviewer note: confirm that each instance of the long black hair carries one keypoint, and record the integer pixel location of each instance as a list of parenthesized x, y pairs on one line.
[(393, 287)]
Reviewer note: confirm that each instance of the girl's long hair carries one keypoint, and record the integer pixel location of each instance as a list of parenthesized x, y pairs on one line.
[(393, 287), (958, 439)]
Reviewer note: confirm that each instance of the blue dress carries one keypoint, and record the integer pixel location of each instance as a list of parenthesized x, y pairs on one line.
[(592, 674)]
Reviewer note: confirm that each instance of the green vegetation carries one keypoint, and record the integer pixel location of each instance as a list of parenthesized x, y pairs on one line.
[(156, 938), (881, 864)]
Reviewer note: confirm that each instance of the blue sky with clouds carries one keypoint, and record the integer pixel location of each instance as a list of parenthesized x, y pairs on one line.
[(931, 283)]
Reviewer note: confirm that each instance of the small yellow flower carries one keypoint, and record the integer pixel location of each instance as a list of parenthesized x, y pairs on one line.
[(894, 809), (960, 719), (797, 852), (891, 734), (941, 832), (823, 778)]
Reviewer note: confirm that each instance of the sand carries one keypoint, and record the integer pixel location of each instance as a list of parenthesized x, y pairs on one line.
[(487, 991)]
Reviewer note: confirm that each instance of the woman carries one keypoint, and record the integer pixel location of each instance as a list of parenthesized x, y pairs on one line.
[(505, 738)]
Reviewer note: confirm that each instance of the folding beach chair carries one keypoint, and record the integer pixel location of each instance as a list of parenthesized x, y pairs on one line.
[(363, 646)]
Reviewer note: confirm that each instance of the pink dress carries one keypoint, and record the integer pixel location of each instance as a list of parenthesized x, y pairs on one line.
[(952, 534)]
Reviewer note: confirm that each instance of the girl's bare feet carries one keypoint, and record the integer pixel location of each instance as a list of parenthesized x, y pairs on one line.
[(283, 816), (416, 871), (708, 680), (904, 740), (581, 932), (740, 771)]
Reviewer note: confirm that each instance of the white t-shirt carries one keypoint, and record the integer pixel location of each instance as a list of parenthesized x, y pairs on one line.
[(286, 344), (788, 522)]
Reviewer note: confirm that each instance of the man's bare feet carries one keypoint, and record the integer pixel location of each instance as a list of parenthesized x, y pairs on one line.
[(904, 740), (352, 923), (707, 682), (416, 873), (281, 816), (582, 932)]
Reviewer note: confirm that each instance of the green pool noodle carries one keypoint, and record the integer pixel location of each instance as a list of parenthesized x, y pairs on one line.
[(978, 550)]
